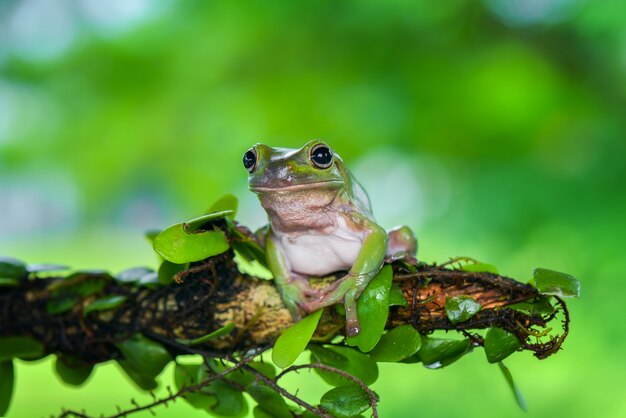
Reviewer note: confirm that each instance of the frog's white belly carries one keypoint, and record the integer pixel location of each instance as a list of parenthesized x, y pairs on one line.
[(317, 254)]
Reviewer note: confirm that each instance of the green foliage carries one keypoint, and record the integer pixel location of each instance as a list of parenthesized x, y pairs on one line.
[(271, 403), (228, 202), (516, 392), (11, 268), (225, 330), (478, 266), (461, 308), (345, 401), (396, 298), (347, 359), (167, 271), (550, 282), (7, 378), (144, 359), (397, 344), (105, 303), (178, 246), (294, 340), (80, 283), (499, 344), (133, 275), (217, 398), (200, 223), (440, 352), (372, 310), (72, 371), (20, 347)]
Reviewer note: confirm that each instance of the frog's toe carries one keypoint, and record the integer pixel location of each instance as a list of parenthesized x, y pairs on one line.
[(353, 327)]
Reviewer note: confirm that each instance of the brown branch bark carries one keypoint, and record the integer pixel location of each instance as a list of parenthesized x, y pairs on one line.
[(213, 293)]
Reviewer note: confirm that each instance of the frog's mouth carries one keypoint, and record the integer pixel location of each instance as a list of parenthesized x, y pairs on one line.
[(296, 187)]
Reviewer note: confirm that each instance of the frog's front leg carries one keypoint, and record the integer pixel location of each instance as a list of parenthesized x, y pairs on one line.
[(292, 288), (349, 288)]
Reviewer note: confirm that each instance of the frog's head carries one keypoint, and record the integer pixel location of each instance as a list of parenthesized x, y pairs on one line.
[(314, 166)]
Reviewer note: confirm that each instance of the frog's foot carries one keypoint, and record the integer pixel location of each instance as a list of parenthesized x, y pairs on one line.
[(402, 245), (330, 295), (302, 284), (346, 290)]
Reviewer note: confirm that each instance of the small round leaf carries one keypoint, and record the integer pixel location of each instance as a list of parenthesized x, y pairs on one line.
[(461, 308), (347, 359), (397, 344), (499, 344), (345, 401), (180, 247)]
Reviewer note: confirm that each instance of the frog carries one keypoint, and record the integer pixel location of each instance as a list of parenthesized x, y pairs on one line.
[(320, 223)]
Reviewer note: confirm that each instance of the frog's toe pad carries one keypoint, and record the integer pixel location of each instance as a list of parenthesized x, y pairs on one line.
[(352, 328)]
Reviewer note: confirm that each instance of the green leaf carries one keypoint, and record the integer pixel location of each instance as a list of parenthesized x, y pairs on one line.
[(461, 308), (72, 371), (105, 303), (202, 222), (22, 347), (149, 280), (269, 400), (259, 412), (480, 267), (540, 305), (83, 283), (10, 268), (294, 339), (550, 282), (7, 378), (347, 359), (133, 275), (499, 344), (228, 202), (396, 297), (225, 330), (230, 401), (372, 310), (179, 247), (61, 305), (397, 344), (145, 355), (516, 392), (250, 259), (168, 270), (440, 352), (187, 375), (9, 282), (46, 268), (345, 401), (142, 380)]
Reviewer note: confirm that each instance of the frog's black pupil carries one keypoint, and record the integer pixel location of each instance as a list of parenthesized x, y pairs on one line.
[(249, 160), (322, 156)]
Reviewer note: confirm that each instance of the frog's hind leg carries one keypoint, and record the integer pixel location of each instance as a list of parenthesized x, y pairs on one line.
[(402, 245)]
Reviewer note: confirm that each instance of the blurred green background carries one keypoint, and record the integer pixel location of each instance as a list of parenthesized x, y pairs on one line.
[(496, 129)]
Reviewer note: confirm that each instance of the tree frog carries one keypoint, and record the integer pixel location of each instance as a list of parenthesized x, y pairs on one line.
[(320, 222)]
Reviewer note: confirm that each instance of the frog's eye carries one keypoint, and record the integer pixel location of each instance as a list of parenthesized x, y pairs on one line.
[(249, 160), (321, 156)]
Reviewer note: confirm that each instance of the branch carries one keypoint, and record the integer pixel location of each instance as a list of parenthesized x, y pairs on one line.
[(213, 293)]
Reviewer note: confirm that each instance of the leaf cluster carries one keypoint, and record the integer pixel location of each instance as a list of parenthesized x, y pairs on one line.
[(216, 384)]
